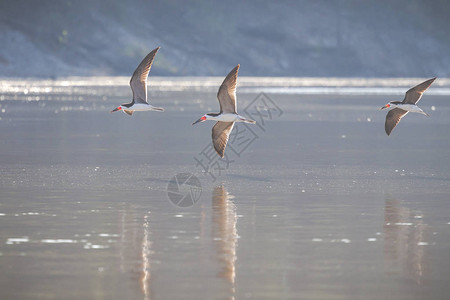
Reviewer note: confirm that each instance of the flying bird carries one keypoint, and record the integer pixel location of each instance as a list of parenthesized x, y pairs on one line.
[(228, 114), (138, 85), (401, 108)]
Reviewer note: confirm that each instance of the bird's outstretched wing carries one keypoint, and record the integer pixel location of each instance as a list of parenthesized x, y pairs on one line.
[(414, 94), (220, 134), (227, 92), (393, 117), (138, 81)]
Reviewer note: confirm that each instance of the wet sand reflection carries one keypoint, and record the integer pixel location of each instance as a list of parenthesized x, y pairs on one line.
[(135, 248), (224, 234), (405, 241), (145, 253)]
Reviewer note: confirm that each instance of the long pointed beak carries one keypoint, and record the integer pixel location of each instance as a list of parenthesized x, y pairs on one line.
[(202, 119), (384, 107), (116, 109)]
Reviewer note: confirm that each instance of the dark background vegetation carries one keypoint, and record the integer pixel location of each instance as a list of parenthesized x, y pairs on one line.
[(351, 38)]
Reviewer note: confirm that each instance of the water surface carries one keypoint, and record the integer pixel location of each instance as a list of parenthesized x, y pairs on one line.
[(321, 204)]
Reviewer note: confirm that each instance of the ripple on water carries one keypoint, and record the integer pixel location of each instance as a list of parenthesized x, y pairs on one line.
[(12, 241), (108, 235), (58, 241), (94, 246)]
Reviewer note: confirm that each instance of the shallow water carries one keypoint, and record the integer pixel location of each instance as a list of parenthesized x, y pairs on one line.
[(314, 202)]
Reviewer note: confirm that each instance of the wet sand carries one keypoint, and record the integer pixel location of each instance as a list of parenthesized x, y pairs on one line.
[(316, 203)]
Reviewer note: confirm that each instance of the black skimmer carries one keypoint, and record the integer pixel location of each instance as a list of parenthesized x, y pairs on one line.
[(401, 108), (228, 114), (138, 85)]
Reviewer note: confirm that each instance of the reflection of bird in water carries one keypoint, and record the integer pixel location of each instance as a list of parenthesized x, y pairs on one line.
[(135, 248), (405, 240), (145, 253), (224, 219)]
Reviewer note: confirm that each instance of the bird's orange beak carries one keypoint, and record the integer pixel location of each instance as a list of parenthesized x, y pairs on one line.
[(386, 106), (199, 120), (116, 109)]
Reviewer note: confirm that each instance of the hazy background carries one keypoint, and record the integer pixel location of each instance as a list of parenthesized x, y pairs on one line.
[(351, 38), (321, 205)]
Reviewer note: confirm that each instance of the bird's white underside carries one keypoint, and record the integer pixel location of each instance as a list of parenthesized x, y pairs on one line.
[(409, 107), (227, 118), (140, 107)]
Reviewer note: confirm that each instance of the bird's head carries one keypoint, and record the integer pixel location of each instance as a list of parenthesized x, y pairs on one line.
[(388, 105), (202, 119), (392, 104), (117, 109)]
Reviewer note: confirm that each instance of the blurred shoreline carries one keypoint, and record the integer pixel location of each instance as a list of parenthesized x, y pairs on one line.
[(246, 84)]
